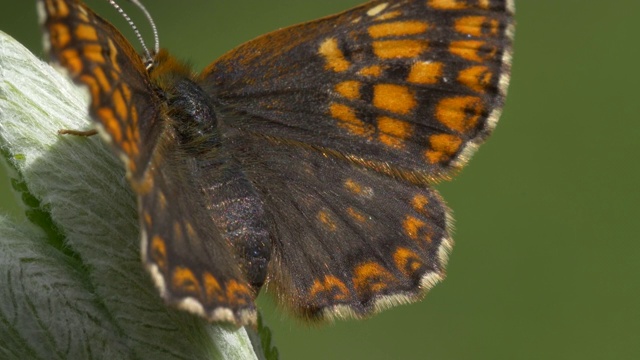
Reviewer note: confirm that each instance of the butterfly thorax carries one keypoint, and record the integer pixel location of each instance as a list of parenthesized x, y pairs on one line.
[(188, 108), (193, 117)]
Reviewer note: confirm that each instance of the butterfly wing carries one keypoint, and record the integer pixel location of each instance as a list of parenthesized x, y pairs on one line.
[(347, 240), (409, 88), (342, 123), (97, 56), (189, 259), (179, 239)]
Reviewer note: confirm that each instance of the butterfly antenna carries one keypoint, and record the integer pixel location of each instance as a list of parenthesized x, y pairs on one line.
[(146, 13), (148, 57)]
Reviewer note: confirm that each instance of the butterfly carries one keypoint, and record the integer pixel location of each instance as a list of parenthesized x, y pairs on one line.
[(302, 161)]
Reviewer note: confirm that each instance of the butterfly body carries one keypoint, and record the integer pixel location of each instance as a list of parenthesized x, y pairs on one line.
[(303, 160), (198, 150)]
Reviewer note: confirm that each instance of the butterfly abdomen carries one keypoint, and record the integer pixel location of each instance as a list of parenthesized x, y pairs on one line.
[(238, 212)]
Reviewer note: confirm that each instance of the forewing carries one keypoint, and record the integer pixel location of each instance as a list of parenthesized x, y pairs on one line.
[(343, 122), (96, 55), (348, 241), (407, 88)]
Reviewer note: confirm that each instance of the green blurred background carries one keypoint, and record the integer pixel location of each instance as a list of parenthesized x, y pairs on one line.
[(547, 256)]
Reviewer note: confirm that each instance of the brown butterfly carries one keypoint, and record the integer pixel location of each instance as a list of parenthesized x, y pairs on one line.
[(301, 161)]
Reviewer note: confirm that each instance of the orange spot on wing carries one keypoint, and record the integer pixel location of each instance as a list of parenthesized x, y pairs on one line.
[(126, 92), (57, 8), (212, 289), (460, 113), (371, 277), (120, 104), (358, 188), (86, 32), (147, 218), (326, 219), (184, 280), (407, 261), (419, 202), (101, 77), (333, 56), (134, 133), (416, 229), (191, 233), (394, 98), (130, 142), (129, 132), (394, 132), (133, 120), (373, 71), (113, 55), (456, 4), (472, 50), (344, 113), (111, 124), (350, 89), (158, 252), (348, 120), (94, 88), (389, 15), (425, 72), (353, 186), (412, 226), (476, 78), (331, 285), (93, 52), (356, 215), (397, 28), (447, 4), (238, 294), (316, 287), (70, 59), (443, 147), (59, 35), (82, 14), (477, 26), (390, 49)]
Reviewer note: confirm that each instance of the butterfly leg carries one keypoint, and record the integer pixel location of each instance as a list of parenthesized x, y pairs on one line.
[(85, 133)]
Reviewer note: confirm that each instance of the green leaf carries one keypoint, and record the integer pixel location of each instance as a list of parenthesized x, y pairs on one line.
[(71, 282)]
